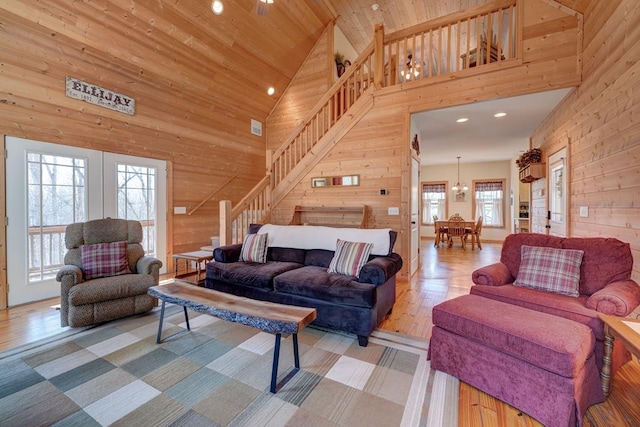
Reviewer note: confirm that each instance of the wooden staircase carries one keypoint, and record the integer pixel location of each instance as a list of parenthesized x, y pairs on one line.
[(467, 42)]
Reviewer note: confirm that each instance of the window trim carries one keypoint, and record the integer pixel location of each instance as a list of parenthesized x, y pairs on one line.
[(446, 200), (504, 201)]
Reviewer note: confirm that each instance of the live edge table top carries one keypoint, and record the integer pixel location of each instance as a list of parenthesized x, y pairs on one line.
[(267, 316)]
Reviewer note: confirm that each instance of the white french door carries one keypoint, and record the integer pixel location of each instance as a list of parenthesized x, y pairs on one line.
[(135, 188), (50, 186), (557, 200), (415, 215)]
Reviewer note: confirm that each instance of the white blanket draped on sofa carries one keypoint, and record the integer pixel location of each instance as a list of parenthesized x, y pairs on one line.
[(318, 237)]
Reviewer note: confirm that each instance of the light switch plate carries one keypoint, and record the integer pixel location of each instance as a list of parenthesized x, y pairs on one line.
[(584, 211), (393, 211), (179, 210)]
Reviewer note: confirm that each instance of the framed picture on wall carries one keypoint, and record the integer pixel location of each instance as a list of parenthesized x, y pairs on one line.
[(460, 197)]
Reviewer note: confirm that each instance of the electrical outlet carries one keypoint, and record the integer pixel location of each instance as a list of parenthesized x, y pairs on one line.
[(393, 211), (584, 211), (179, 210)]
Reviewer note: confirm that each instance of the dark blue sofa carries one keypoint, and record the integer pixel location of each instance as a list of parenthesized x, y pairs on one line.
[(299, 277)]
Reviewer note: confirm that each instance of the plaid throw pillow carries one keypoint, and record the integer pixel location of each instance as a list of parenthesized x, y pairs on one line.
[(254, 248), (550, 269), (350, 257), (104, 259)]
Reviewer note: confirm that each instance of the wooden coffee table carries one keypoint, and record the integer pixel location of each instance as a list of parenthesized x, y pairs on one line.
[(615, 327), (267, 316)]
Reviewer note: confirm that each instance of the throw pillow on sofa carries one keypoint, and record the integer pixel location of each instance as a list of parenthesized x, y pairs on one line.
[(550, 269), (104, 260), (254, 248), (350, 257)]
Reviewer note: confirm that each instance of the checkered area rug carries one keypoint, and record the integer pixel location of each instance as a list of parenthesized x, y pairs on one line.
[(219, 374)]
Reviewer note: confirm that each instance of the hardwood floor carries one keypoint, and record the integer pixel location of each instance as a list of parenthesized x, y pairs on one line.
[(444, 274)]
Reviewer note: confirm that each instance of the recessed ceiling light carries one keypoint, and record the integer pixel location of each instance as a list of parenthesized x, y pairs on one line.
[(374, 7), (499, 114), (462, 120), (217, 7), (271, 91)]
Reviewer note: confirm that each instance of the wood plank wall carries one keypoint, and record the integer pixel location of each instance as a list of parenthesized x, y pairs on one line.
[(311, 82), (185, 114), (601, 122), (377, 148)]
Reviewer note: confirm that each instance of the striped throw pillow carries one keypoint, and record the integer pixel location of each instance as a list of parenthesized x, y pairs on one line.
[(550, 269), (104, 260), (350, 257), (254, 248)]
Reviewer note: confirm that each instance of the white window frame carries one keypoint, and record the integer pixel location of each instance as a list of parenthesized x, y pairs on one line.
[(442, 205), (496, 204)]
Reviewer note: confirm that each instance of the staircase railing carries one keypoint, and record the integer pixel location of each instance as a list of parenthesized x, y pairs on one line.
[(254, 208), (331, 107), (478, 37)]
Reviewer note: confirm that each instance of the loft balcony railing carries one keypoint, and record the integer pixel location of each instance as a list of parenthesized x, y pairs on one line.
[(461, 43), (473, 38)]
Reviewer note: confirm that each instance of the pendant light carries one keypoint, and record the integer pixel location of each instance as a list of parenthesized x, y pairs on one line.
[(459, 187)]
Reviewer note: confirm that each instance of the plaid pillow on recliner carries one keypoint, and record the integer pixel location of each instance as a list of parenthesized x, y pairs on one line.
[(104, 260)]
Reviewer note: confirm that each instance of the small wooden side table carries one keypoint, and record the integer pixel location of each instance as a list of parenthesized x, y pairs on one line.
[(616, 327), (197, 257)]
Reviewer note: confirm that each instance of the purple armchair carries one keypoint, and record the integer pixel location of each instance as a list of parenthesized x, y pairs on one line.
[(605, 285)]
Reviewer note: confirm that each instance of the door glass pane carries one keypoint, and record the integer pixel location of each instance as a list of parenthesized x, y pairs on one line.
[(56, 197), (557, 194), (136, 199)]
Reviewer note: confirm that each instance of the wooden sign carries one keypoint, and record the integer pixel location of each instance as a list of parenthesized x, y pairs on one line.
[(93, 94)]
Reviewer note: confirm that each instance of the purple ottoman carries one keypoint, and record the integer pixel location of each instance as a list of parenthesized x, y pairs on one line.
[(541, 364)]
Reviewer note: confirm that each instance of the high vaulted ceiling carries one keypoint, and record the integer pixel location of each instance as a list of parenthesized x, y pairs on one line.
[(254, 52)]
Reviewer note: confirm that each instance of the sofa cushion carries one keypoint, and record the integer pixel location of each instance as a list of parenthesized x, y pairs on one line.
[(317, 283), (319, 257), (555, 344), (350, 257), (547, 302), (254, 248), (550, 269), (286, 255), (256, 275), (605, 260), (104, 260)]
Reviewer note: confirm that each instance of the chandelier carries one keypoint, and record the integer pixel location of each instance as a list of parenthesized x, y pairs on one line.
[(263, 6), (459, 187), (412, 68)]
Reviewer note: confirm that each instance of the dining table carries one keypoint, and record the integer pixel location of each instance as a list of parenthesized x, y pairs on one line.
[(445, 223)]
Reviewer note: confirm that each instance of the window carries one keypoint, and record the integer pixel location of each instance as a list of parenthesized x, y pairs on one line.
[(56, 196), (488, 201), (434, 201), (136, 200)]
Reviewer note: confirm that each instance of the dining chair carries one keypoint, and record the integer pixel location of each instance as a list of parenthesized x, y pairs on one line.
[(456, 228), (440, 232), (475, 233)]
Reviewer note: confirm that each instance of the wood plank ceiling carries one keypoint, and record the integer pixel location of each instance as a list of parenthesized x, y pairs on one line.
[(238, 54)]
